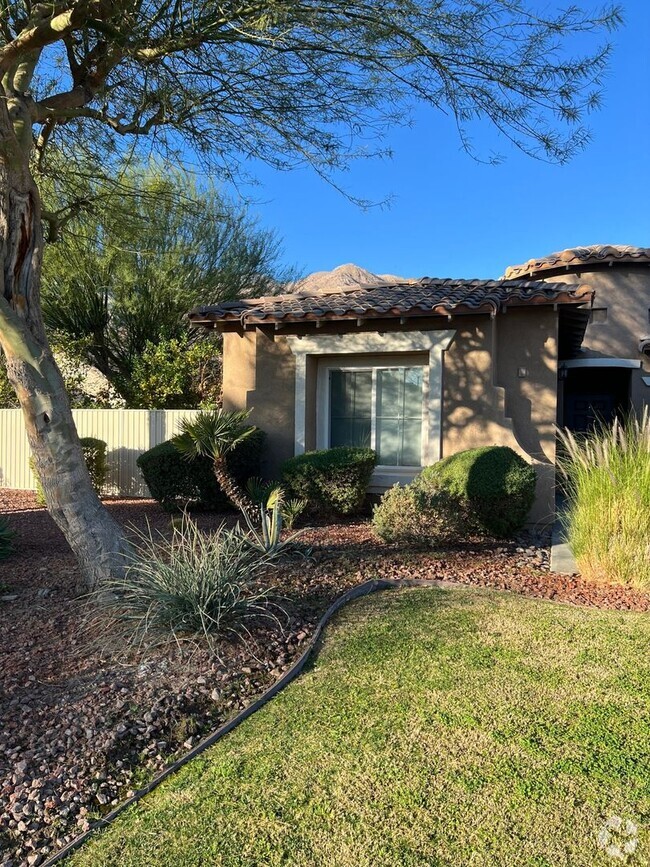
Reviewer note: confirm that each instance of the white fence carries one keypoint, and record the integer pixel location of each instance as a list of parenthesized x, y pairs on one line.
[(126, 432)]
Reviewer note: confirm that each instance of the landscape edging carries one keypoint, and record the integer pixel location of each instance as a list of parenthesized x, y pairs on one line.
[(350, 595)]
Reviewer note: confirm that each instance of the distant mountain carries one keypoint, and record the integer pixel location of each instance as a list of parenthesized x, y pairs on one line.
[(344, 277)]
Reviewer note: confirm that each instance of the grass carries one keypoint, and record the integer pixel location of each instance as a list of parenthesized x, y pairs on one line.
[(464, 728), (609, 486)]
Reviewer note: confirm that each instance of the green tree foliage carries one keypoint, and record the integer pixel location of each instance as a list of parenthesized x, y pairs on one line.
[(178, 373), (119, 282)]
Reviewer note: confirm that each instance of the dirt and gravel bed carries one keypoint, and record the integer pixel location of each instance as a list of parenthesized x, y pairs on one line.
[(79, 728)]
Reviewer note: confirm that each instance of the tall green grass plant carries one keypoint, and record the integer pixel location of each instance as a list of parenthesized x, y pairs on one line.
[(200, 586), (607, 477)]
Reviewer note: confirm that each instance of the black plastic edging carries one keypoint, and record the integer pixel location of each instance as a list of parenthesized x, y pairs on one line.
[(350, 595)]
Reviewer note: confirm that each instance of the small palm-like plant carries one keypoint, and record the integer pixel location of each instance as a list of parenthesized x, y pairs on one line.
[(215, 434)]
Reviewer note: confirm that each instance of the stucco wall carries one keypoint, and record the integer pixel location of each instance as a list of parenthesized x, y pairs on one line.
[(483, 403), (625, 293), (488, 403), (259, 376)]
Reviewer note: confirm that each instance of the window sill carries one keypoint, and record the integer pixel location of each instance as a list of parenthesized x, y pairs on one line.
[(385, 477)]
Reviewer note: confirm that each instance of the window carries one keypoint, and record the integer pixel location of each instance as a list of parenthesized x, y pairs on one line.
[(380, 407)]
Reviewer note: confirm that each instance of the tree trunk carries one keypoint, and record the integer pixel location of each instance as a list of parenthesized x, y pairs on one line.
[(96, 539), (230, 487)]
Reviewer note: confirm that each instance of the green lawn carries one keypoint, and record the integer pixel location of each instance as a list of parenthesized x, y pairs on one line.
[(437, 727)]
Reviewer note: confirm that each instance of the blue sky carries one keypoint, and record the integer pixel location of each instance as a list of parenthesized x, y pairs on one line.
[(453, 217)]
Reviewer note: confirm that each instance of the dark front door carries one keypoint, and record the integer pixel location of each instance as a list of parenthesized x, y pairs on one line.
[(595, 395)]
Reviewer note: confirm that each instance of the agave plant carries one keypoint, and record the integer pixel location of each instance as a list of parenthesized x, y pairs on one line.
[(270, 499), (215, 434)]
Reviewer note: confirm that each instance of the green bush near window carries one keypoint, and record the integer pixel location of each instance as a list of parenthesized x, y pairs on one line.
[(94, 452), (419, 517), (333, 481), (178, 483), (494, 484)]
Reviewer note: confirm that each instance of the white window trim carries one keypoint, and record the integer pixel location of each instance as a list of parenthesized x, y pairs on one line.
[(375, 345)]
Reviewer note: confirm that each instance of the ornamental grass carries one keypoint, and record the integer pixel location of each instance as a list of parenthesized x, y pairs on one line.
[(607, 475)]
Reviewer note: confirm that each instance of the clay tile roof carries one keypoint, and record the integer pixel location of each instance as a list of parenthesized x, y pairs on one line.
[(428, 296), (576, 258)]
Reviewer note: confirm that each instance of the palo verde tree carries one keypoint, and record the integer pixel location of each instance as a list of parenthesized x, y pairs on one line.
[(123, 275), (285, 81)]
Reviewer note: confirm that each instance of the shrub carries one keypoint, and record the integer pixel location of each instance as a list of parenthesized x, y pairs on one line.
[(333, 481), (94, 452), (494, 484), (95, 456), (416, 516), (198, 586), (6, 538), (178, 483), (608, 482)]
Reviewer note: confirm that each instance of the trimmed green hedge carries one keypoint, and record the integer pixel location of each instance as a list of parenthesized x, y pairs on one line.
[(94, 451), (495, 483), (178, 483), (333, 481)]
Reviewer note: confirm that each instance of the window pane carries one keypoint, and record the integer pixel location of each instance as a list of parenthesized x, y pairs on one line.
[(350, 407), (399, 416)]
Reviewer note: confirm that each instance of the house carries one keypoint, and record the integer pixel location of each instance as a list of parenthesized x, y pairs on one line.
[(420, 369)]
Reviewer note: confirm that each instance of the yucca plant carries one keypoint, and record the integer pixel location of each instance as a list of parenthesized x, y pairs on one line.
[(607, 478), (215, 434), (198, 586)]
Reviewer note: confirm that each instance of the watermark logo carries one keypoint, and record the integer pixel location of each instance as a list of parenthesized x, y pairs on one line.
[(619, 838)]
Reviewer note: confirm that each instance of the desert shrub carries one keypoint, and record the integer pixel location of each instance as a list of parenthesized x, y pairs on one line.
[(6, 538), (333, 481), (608, 483), (95, 456), (198, 586), (417, 516), (178, 483), (494, 484), (94, 452)]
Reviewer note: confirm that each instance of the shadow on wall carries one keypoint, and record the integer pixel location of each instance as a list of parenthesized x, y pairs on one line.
[(473, 408), (516, 411)]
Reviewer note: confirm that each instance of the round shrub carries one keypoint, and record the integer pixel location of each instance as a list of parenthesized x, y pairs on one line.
[(494, 482), (95, 457), (177, 483), (415, 516), (333, 481)]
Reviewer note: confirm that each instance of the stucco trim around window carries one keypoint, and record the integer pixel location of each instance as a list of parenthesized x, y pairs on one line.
[(373, 343)]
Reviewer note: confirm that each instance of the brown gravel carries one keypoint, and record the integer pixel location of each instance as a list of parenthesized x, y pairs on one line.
[(79, 729)]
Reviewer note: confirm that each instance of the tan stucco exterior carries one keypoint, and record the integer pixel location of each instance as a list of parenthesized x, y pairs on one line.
[(500, 389), (484, 399), (624, 292)]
